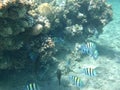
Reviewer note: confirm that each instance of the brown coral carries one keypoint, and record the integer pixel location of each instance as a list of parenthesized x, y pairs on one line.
[(45, 9), (37, 29)]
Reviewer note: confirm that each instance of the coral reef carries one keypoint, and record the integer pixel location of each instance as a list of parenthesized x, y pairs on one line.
[(44, 9), (13, 22), (84, 13), (42, 25), (41, 31)]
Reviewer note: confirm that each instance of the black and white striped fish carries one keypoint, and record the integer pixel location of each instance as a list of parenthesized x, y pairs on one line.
[(76, 81), (32, 86), (89, 48), (89, 71)]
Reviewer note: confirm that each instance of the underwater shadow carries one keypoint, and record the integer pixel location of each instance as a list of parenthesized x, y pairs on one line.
[(107, 52)]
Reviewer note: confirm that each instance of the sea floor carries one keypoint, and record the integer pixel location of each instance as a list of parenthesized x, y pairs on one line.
[(108, 45)]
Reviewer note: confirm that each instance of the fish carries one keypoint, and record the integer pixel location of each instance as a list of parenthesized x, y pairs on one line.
[(89, 48), (95, 55), (76, 81), (89, 71), (91, 45), (59, 74), (32, 86), (83, 49)]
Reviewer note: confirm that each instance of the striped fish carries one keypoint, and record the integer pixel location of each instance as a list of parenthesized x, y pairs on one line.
[(76, 81), (89, 71), (32, 86), (83, 49), (89, 48), (90, 45)]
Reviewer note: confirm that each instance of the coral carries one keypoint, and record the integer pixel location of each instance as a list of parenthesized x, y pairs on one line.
[(14, 9), (49, 43), (42, 25), (13, 21), (37, 29), (48, 29), (5, 63), (60, 3), (74, 30), (85, 13), (100, 11), (10, 44), (45, 9), (44, 21)]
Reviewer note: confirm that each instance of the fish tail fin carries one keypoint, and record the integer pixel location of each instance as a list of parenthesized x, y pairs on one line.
[(59, 82)]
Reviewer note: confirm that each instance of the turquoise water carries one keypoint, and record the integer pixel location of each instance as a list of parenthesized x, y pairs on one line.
[(108, 62)]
